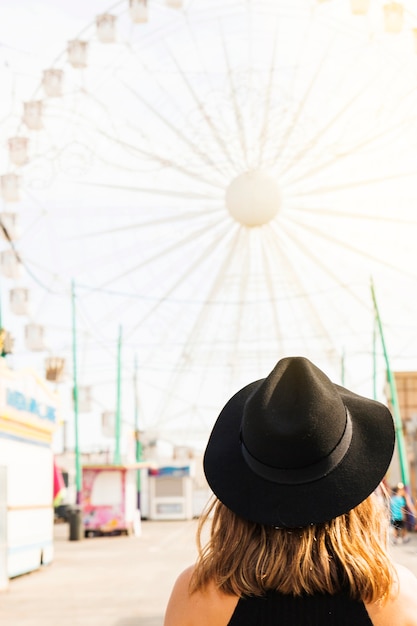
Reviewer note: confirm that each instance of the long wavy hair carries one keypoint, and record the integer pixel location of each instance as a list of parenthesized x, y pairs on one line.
[(348, 553)]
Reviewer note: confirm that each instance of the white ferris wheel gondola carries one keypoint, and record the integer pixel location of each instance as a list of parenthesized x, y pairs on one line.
[(18, 150), (10, 265), (85, 398), (32, 114), (393, 17), (9, 225), (360, 7), (106, 27), (52, 82), (55, 368), (19, 300), (35, 337), (10, 183), (77, 53), (138, 11)]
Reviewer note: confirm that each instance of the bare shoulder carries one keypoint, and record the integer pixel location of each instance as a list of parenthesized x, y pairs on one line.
[(401, 610), (210, 607), (179, 599)]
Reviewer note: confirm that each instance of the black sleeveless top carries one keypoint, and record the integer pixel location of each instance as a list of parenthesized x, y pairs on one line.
[(276, 609)]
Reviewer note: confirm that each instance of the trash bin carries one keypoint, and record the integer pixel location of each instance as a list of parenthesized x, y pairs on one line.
[(75, 519)]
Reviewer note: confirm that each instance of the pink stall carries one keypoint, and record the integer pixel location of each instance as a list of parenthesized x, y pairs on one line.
[(109, 499)]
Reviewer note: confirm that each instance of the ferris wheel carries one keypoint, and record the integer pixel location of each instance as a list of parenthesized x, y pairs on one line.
[(222, 180)]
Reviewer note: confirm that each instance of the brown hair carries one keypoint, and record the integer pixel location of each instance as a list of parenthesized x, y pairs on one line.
[(347, 553)]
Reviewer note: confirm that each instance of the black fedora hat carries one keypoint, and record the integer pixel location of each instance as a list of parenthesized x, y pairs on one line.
[(295, 449)]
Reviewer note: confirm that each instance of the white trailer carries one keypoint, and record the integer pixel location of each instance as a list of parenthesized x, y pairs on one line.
[(28, 417)]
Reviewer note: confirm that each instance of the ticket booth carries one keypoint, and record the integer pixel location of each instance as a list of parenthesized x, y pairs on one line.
[(109, 499), (28, 419), (170, 493)]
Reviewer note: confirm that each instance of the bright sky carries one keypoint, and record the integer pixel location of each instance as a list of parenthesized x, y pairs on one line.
[(124, 192)]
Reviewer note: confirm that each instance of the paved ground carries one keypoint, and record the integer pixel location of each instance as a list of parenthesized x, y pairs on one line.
[(406, 554), (103, 581), (114, 581)]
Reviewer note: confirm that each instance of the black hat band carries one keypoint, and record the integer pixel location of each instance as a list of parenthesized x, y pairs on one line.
[(302, 475)]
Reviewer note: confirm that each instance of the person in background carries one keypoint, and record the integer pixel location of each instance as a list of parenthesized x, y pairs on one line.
[(410, 509), (400, 505), (297, 534)]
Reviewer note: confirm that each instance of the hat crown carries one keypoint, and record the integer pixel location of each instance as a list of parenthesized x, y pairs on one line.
[(295, 418)]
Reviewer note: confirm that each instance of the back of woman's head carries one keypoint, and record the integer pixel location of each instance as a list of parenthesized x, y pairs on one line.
[(295, 449), (347, 553), (287, 454)]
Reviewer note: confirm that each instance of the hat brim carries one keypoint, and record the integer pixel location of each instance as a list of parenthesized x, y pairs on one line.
[(259, 500)]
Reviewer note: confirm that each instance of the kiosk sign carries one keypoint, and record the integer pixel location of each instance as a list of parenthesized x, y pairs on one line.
[(25, 399), (28, 404)]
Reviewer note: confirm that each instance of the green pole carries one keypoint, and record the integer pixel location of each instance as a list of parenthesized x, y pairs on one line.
[(394, 399), (137, 435), (374, 358), (75, 395), (117, 456)]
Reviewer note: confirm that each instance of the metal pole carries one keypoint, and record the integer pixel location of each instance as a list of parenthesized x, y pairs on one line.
[(394, 400), (137, 435), (374, 358), (75, 396), (117, 456)]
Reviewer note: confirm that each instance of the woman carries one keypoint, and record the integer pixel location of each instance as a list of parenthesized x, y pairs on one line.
[(298, 535)]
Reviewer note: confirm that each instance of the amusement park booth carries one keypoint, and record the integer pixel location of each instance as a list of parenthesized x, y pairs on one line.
[(109, 499), (170, 493), (28, 418)]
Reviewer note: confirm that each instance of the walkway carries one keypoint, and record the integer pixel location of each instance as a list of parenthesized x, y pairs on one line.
[(103, 581)]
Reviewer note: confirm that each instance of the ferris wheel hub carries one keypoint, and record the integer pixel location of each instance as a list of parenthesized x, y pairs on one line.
[(253, 198)]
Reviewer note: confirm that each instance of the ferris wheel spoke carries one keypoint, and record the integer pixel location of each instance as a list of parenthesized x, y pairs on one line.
[(358, 252), (154, 191), (354, 184), (302, 105), (208, 251), (240, 127), (403, 125), (182, 217), (337, 213), (325, 268), (368, 140), (312, 143), (91, 331), (215, 132), (202, 317), (354, 150), (263, 134), (272, 289), (300, 53), (170, 419), (165, 162), (238, 330), (165, 252), (297, 281), (203, 156)]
